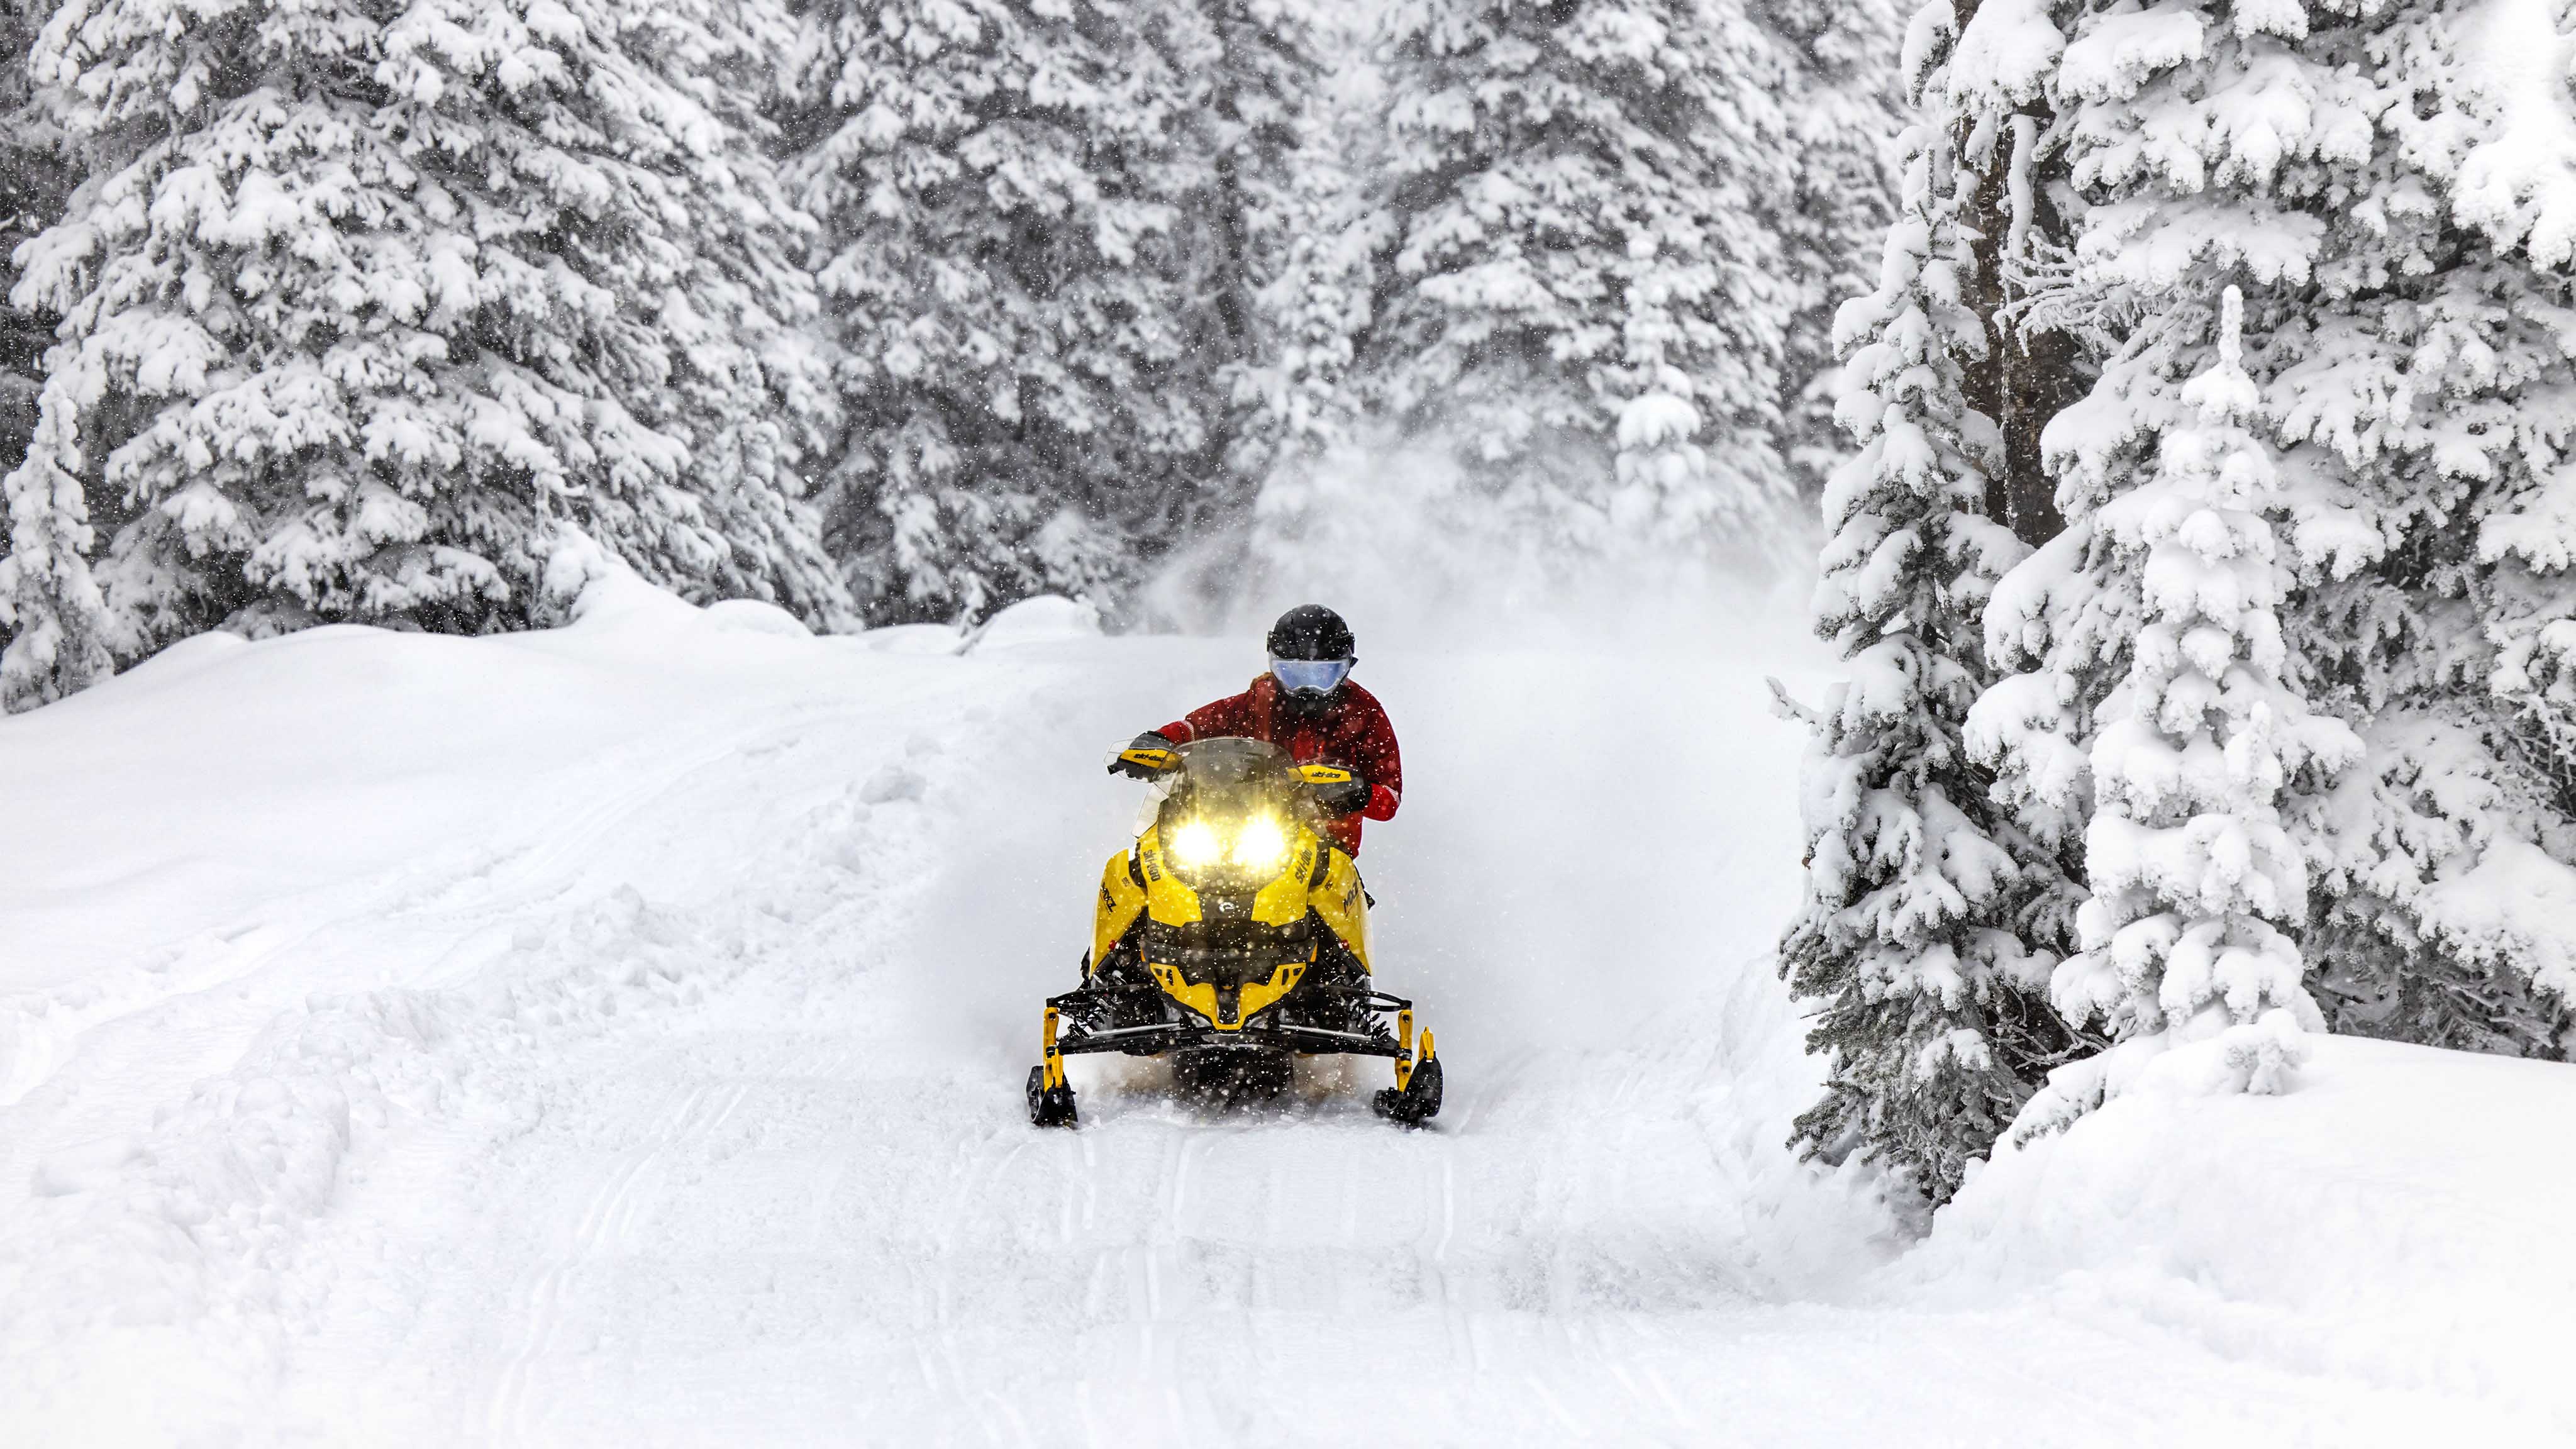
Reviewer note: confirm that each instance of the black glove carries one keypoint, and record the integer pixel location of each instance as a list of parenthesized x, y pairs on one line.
[(1149, 740), (1346, 797)]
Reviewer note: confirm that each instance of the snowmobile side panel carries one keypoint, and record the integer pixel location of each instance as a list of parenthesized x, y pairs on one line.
[(1344, 906), (1121, 901)]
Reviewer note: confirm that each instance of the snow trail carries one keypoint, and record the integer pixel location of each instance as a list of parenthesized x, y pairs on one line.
[(686, 1111)]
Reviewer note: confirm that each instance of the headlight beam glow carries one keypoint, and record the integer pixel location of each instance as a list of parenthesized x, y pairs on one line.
[(1260, 844), (1195, 845)]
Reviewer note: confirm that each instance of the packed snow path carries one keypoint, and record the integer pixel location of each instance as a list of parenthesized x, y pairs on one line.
[(609, 1039)]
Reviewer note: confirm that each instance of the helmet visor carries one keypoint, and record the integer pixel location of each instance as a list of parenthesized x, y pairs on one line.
[(1310, 676)]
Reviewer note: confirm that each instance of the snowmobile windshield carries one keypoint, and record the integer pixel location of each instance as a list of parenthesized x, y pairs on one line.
[(1235, 807), (1310, 676), (1231, 778)]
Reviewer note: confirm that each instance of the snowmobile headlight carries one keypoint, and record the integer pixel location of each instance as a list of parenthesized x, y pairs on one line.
[(1260, 844), (1196, 847)]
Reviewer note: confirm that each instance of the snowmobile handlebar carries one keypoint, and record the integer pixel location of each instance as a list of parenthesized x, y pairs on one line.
[(1144, 762), (1152, 762)]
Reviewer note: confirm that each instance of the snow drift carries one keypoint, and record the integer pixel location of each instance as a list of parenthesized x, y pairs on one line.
[(2398, 1216)]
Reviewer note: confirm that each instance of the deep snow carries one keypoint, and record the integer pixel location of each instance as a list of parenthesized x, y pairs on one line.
[(615, 1036)]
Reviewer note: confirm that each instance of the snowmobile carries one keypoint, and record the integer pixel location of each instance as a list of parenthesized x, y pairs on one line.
[(1232, 938)]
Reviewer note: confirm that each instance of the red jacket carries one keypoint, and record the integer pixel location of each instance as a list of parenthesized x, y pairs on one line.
[(1352, 732)]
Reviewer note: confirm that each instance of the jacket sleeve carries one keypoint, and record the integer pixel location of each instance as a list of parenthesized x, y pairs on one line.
[(1382, 765), (1231, 715)]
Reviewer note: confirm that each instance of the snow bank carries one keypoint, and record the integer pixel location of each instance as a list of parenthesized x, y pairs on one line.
[(268, 909), (208, 776), (1044, 619), (2401, 1216)]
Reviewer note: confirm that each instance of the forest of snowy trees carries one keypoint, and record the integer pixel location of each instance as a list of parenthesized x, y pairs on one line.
[(2187, 387), (887, 311), (2202, 574)]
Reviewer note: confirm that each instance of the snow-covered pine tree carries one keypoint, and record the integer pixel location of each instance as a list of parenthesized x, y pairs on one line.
[(44, 572), (1256, 122), (2189, 181), (2193, 874), (2418, 365), (1007, 189), (60, 635), (37, 173), (367, 300), (1842, 103), (2433, 386), (1303, 413), (1920, 891), (1990, 101), (1588, 202), (1298, 392)]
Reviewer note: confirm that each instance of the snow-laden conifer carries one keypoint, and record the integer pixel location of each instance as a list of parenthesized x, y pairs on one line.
[(58, 628), (1299, 390), (46, 535), (366, 300), (2432, 423), (1589, 203), (1013, 195), (2199, 139), (2194, 877), (2327, 162), (1920, 891), (1843, 102), (37, 174), (1273, 184)]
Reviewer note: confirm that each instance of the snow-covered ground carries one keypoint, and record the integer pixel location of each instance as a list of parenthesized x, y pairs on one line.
[(615, 1036)]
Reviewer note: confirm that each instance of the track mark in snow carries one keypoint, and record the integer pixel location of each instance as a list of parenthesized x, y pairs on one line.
[(606, 1225)]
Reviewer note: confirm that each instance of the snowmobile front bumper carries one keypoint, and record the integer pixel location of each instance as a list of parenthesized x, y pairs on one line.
[(1155, 1038), (1264, 1039)]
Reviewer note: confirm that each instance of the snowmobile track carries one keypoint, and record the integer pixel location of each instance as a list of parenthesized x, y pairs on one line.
[(604, 1224)]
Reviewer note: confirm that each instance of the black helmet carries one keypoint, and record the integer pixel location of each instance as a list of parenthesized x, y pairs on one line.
[(1311, 631)]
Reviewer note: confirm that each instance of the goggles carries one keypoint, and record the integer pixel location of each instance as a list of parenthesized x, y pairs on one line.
[(1310, 676)]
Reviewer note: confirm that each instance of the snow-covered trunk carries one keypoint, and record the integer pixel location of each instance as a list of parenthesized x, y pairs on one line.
[(2028, 373)]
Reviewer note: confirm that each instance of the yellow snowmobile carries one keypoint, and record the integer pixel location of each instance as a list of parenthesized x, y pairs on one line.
[(1233, 937)]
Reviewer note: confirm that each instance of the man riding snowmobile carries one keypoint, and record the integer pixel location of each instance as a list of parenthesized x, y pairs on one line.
[(1233, 935), (1307, 705)]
